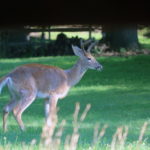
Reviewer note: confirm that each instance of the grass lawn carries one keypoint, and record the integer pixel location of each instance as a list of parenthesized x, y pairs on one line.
[(119, 96)]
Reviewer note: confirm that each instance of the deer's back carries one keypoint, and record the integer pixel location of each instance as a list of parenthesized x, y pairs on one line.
[(42, 78)]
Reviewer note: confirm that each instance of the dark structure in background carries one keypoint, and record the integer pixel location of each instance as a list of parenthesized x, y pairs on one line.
[(114, 17), (13, 42), (16, 42)]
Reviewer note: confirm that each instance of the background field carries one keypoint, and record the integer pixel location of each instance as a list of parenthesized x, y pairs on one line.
[(119, 95)]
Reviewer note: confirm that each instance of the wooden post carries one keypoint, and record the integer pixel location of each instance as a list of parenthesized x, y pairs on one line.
[(49, 33), (90, 32)]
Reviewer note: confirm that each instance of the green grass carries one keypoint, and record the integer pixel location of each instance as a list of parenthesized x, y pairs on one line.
[(119, 95), (144, 41)]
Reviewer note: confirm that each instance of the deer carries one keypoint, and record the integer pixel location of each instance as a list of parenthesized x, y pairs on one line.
[(30, 81)]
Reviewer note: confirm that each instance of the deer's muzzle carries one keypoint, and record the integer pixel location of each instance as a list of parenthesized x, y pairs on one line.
[(99, 68)]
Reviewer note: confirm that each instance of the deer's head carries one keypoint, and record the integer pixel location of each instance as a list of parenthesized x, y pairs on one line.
[(85, 56)]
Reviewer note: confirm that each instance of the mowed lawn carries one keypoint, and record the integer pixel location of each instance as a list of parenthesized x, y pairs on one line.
[(119, 96)]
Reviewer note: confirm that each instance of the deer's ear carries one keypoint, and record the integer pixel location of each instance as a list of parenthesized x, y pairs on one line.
[(78, 51)]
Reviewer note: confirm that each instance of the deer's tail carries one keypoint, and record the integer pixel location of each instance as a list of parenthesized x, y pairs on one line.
[(3, 82)]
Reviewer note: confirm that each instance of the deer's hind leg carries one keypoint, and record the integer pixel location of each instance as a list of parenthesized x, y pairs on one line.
[(6, 110), (26, 98)]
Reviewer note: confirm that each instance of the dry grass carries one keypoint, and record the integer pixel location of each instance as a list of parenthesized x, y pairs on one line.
[(51, 138)]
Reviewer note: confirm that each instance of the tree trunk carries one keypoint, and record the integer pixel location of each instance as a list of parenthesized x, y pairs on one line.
[(116, 37)]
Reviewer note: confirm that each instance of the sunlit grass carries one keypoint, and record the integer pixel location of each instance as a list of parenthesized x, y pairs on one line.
[(144, 41), (84, 35)]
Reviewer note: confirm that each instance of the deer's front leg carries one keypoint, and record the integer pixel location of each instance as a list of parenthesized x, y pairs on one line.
[(47, 104), (50, 109)]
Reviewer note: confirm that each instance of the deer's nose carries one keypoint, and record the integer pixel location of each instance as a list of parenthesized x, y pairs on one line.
[(99, 67)]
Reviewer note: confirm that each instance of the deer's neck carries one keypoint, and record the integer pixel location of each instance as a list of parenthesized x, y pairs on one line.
[(75, 73)]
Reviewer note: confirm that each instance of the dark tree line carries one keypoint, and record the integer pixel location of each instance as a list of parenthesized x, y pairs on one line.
[(11, 48)]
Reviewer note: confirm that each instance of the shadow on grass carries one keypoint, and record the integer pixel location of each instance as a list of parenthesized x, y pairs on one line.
[(15, 136)]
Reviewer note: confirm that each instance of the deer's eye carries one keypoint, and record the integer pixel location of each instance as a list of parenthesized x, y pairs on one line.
[(89, 59)]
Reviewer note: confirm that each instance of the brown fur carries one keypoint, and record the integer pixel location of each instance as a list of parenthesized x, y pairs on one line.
[(29, 81)]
